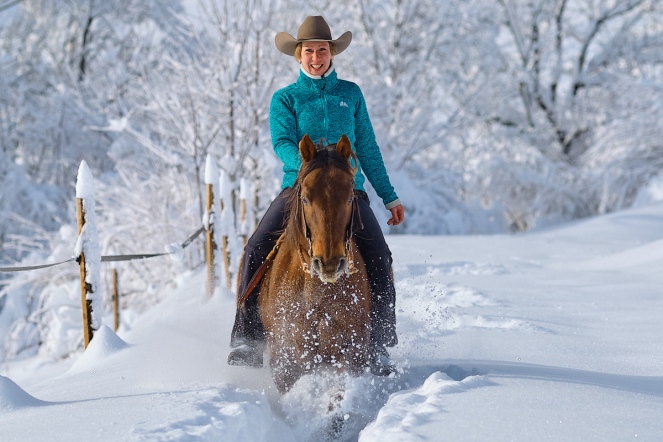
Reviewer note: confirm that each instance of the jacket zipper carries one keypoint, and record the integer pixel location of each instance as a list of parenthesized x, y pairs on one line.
[(323, 97), (326, 116)]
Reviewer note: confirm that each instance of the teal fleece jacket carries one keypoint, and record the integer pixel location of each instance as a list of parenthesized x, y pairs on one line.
[(326, 108)]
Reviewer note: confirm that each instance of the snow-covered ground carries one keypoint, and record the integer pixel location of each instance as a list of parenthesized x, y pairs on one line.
[(555, 334)]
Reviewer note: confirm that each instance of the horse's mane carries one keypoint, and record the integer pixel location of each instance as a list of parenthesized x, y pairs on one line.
[(325, 156)]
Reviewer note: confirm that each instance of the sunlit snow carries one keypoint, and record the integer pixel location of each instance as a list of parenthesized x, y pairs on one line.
[(553, 334)]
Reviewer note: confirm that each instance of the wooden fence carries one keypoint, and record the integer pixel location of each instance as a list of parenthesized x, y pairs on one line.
[(219, 194)]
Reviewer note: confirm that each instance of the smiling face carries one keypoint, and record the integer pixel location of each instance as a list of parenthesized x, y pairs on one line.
[(316, 57)]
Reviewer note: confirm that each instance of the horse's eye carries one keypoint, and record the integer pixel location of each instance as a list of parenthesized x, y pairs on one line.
[(305, 201)]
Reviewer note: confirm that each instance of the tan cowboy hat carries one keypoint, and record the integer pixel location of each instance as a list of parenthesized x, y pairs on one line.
[(314, 28)]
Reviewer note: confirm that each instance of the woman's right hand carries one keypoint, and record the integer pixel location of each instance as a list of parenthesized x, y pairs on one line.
[(397, 215)]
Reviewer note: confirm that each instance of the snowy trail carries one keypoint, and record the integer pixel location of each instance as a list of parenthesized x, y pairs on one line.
[(554, 334)]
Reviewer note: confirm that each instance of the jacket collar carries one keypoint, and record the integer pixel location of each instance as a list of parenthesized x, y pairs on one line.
[(315, 82)]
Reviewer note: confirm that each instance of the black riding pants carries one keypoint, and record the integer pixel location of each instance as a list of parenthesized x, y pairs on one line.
[(248, 328)]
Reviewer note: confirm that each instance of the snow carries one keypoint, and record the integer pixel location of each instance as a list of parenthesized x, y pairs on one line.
[(84, 181), (211, 171), (104, 344), (12, 397), (227, 223), (652, 192), (554, 334), (114, 125)]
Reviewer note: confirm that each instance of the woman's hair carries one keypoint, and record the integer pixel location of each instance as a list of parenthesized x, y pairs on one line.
[(298, 50)]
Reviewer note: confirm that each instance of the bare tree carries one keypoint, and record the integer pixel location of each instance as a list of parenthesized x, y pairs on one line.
[(560, 51)]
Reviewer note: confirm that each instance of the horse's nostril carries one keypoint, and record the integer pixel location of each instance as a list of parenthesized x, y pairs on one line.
[(342, 265), (315, 264)]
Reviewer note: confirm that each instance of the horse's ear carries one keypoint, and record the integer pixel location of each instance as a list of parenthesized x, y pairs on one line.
[(307, 148), (343, 147)]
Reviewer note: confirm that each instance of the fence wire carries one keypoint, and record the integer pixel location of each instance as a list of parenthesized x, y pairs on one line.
[(108, 258)]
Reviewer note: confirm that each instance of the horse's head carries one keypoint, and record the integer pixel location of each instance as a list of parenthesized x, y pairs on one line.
[(326, 198)]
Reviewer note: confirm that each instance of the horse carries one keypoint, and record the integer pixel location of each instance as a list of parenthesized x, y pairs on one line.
[(314, 298)]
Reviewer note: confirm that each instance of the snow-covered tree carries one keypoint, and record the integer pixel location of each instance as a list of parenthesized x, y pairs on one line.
[(574, 75), (491, 115)]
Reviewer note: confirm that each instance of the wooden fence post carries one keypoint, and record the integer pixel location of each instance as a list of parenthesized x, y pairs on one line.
[(226, 255), (85, 287), (116, 300), (243, 196), (211, 218), (226, 223), (88, 253), (210, 245)]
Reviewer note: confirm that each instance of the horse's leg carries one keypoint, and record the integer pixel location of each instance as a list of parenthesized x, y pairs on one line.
[(336, 425), (284, 372), (347, 337)]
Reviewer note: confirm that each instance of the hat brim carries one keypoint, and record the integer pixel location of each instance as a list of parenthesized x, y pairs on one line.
[(287, 44)]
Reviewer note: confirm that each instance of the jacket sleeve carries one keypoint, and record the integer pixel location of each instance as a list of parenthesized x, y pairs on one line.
[(283, 130), (370, 156)]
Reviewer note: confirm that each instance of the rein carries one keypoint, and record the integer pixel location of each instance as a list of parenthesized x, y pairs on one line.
[(255, 280)]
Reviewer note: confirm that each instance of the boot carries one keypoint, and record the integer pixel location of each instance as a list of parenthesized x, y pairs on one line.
[(380, 362), (248, 335), (246, 355), (383, 301)]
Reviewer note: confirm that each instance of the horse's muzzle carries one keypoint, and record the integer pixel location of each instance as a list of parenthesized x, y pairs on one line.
[(329, 270)]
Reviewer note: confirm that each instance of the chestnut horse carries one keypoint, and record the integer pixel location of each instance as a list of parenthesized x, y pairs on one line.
[(314, 298)]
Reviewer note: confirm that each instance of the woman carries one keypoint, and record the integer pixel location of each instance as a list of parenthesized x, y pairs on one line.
[(325, 107)]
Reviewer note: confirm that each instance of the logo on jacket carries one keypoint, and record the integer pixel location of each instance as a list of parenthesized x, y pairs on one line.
[(343, 104)]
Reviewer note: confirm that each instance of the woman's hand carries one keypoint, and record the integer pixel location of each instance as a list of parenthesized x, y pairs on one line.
[(397, 215)]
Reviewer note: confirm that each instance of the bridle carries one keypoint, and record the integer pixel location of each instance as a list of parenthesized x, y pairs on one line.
[(349, 230)]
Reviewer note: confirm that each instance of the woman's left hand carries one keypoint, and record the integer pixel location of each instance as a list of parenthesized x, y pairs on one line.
[(397, 215)]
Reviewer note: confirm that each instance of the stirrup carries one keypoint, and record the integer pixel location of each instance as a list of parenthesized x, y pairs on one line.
[(245, 355), (380, 362)]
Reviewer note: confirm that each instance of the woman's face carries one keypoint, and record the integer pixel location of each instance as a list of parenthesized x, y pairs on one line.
[(316, 57)]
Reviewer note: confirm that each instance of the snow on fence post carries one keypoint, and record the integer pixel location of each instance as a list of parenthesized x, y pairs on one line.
[(88, 253), (211, 180), (226, 224)]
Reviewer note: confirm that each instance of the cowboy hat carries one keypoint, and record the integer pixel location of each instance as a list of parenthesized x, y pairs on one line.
[(314, 28)]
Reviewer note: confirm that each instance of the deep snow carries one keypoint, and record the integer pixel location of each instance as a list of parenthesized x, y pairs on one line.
[(554, 334)]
